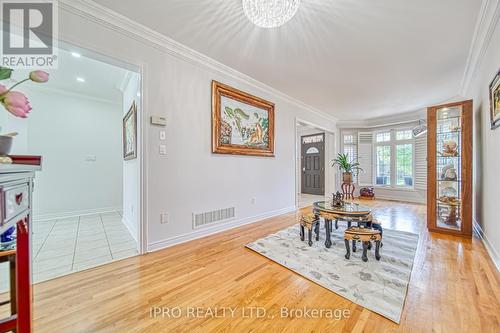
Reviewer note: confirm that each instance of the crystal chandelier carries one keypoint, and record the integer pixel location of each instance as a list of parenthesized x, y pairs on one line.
[(270, 13)]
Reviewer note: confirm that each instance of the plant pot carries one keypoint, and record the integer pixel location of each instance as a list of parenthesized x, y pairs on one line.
[(5, 145), (347, 177)]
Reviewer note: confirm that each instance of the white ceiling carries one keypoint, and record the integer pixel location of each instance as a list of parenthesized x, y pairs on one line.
[(356, 59), (102, 79)]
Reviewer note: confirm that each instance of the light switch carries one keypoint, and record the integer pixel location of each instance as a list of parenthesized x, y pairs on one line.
[(163, 149), (163, 135), (90, 158)]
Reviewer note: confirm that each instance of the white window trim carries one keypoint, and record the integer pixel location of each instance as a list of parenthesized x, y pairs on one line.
[(392, 143)]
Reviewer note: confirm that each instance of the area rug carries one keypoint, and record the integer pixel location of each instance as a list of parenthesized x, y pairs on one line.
[(379, 286)]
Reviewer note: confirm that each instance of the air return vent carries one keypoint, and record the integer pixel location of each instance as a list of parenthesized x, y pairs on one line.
[(216, 216)]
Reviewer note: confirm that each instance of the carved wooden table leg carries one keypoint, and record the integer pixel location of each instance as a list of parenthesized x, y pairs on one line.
[(336, 224), (309, 236), (377, 249), (348, 250), (328, 227), (365, 236), (316, 229), (365, 250), (302, 233)]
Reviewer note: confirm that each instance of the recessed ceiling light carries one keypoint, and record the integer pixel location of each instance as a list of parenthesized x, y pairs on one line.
[(76, 54), (80, 79)]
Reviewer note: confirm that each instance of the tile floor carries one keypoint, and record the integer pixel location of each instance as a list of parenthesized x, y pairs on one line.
[(69, 245), (308, 199)]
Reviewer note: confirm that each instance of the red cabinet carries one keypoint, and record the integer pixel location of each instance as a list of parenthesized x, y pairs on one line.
[(16, 185)]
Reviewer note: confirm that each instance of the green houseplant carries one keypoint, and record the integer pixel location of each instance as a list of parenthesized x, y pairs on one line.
[(342, 160)]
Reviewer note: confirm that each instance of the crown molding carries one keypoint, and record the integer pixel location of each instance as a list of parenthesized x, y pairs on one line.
[(72, 94), (391, 120), (108, 18), (486, 23)]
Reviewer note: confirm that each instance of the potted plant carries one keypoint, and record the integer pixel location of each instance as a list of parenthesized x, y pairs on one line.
[(342, 160)]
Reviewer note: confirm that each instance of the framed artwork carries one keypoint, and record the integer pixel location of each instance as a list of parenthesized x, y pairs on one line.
[(495, 101), (242, 124), (130, 133)]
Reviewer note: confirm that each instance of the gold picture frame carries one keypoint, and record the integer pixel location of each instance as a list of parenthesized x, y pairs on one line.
[(130, 133), (242, 124), (495, 101)]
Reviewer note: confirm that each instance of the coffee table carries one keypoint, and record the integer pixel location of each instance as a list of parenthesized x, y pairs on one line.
[(350, 212)]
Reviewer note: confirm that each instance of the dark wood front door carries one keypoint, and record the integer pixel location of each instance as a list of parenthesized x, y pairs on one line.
[(313, 164)]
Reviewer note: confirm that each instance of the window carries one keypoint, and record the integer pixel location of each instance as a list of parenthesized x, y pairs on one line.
[(383, 165), (404, 164), (404, 135), (383, 137), (350, 147), (394, 158), (349, 139), (312, 138), (312, 150)]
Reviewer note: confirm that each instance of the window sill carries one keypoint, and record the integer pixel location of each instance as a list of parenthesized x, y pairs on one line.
[(404, 189)]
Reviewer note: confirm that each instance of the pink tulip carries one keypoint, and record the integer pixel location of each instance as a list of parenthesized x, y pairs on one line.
[(3, 89), (17, 104), (39, 76)]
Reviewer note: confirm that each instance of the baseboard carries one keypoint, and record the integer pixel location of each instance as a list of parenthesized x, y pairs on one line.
[(130, 227), (489, 248), (55, 216), (390, 198), (162, 244)]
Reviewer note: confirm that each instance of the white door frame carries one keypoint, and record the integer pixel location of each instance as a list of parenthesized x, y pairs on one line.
[(330, 151), (142, 135)]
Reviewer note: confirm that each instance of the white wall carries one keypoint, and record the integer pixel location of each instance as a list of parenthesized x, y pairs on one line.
[(66, 129), (131, 168), (486, 151), (190, 178)]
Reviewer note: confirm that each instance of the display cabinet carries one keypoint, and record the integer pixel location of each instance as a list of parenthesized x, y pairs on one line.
[(449, 162)]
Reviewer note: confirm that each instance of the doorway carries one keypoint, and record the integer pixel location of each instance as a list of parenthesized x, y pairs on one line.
[(86, 201), (315, 146), (313, 164)]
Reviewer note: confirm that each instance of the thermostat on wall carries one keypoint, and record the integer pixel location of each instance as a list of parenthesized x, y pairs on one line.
[(157, 120)]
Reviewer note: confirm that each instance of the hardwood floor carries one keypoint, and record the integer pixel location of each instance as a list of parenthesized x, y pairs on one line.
[(454, 287)]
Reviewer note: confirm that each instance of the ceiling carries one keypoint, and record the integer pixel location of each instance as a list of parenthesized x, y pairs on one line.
[(102, 79), (355, 59)]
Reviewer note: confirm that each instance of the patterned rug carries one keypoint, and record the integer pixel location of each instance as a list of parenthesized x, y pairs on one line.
[(379, 286)]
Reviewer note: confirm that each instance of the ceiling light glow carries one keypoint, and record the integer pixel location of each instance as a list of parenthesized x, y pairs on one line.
[(270, 13), (80, 79), (76, 54)]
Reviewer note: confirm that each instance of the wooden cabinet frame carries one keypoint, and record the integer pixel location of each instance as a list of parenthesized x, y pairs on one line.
[(466, 169)]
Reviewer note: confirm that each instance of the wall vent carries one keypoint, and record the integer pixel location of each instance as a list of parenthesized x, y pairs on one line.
[(221, 215)]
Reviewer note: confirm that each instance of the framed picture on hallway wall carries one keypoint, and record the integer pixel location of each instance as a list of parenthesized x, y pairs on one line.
[(495, 101), (130, 133), (242, 124)]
